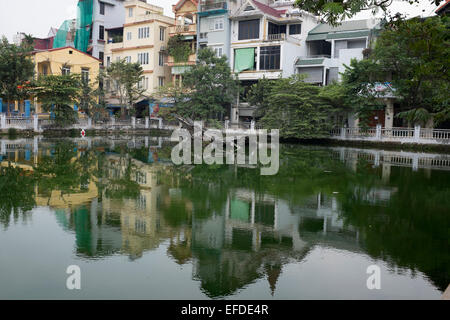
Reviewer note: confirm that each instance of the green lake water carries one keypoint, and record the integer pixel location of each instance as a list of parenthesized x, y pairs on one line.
[(141, 228)]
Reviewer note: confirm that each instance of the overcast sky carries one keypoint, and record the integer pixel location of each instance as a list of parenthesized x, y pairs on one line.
[(37, 16)]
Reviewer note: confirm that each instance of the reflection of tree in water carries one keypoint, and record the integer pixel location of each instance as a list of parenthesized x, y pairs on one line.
[(412, 231), (65, 170), (123, 186), (16, 194)]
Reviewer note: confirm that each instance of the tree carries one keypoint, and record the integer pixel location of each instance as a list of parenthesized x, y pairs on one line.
[(414, 55), (297, 110), (258, 96), (58, 94), (179, 49), (16, 68), (335, 11), (125, 78), (92, 101), (211, 87)]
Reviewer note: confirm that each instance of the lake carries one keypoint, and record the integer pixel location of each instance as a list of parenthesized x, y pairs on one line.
[(140, 227)]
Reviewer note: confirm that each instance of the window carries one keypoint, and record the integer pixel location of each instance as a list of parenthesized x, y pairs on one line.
[(108, 61), (143, 83), (162, 34), (161, 59), (85, 75), (218, 51), (101, 34), (218, 24), (101, 56), (128, 59), (269, 58), (130, 12), (161, 81), (295, 29), (102, 8), (129, 35), (65, 70), (248, 29), (249, 8), (144, 32), (143, 58)]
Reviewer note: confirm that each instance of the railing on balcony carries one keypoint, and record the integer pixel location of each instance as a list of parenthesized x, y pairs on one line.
[(276, 37), (183, 28), (212, 5)]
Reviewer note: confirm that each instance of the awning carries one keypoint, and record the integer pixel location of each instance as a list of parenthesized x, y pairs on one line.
[(308, 62), (315, 37), (244, 59), (347, 35)]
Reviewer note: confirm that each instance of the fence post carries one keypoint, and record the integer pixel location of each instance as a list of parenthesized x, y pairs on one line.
[(227, 124), (36, 123), (378, 133), (133, 122), (3, 121), (89, 122), (343, 133), (147, 122), (27, 108), (416, 133), (160, 123)]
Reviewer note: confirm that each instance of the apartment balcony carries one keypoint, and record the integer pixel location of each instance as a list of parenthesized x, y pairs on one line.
[(276, 37), (208, 5), (192, 60), (187, 29)]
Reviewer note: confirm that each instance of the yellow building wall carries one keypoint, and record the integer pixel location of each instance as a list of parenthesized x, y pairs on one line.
[(55, 60)]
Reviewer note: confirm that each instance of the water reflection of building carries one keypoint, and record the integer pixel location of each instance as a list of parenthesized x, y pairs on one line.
[(256, 234)]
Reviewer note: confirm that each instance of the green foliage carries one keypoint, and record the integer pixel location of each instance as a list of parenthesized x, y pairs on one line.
[(211, 88), (258, 96), (16, 193), (335, 11), (16, 68), (12, 133), (296, 108), (414, 55), (179, 49), (58, 94), (125, 77)]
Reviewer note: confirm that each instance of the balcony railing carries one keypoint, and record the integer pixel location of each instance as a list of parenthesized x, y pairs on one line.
[(183, 28), (191, 60), (212, 5), (276, 37)]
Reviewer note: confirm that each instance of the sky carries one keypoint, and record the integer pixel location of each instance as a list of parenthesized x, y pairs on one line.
[(37, 16)]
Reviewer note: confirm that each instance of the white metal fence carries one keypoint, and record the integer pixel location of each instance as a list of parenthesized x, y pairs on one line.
[(403, 135)]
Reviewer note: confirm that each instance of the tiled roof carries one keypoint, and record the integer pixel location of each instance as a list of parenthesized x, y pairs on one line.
[(345, 26), (268, 10)]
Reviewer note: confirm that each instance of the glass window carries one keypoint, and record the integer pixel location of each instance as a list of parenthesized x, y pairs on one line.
[(101, 56), (269, 58), (65, 71), (248, 29), (102, 8), (130, 12), (101, 34), (129, 35), (161, 59), (295, 29), (162, 33), (85, 75)]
